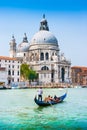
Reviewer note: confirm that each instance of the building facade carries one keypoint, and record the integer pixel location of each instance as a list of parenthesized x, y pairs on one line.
[(9, 70), (42, 54), (79, 75)]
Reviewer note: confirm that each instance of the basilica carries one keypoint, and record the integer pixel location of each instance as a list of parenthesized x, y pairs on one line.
[(42, 54)]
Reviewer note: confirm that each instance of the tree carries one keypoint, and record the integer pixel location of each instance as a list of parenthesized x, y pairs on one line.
[(32, 75), (24, 71), (27, 73)]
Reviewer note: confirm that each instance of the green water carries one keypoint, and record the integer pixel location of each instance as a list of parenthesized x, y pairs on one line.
[(19, 112)]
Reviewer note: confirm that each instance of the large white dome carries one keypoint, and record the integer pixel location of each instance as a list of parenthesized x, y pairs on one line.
[(44, 37)]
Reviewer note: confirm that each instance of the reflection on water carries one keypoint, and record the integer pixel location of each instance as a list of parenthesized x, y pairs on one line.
[(19, 112)]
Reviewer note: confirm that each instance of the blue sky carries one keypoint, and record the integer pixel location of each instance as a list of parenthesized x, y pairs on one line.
[(67, 20)]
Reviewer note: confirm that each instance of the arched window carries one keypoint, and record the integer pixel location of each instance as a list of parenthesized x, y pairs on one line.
[(45, 68), (24, 54), (47, 56), (18, 79), (18, 73), (63, 74), (42, 56), (13, 72), (9, 72)]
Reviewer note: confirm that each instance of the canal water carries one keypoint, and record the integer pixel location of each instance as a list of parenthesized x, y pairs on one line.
[(19, 112)]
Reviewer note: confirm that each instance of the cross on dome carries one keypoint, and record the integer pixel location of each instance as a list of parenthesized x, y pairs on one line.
[(43, 16)]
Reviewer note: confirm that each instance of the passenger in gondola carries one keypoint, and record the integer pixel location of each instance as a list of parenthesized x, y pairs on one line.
[(40, 92), (46, 98), (55, 97), (49, 98)]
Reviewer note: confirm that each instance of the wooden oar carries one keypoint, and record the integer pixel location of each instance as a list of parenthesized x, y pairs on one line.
[(52, 106)]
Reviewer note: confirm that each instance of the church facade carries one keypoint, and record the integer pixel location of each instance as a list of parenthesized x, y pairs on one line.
[(42, 54)]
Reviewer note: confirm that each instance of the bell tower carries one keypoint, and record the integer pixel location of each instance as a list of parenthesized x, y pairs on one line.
[(12, 47)]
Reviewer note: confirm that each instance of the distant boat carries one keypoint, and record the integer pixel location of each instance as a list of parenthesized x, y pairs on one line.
[(51, 102), (84, 86), (3, 88)]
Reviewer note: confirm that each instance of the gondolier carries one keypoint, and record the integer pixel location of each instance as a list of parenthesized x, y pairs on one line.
[(40, 92)]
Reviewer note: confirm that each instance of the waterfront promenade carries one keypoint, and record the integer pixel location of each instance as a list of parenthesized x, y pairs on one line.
[(48, 85)]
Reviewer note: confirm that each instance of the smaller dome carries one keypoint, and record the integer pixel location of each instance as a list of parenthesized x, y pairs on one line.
[(24, 46)]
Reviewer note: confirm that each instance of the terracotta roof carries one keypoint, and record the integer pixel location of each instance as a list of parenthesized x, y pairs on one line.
[(2, 68), (79, 67), (7, 58)]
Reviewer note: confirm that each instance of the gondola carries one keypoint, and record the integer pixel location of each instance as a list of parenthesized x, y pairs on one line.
[(51, 102)]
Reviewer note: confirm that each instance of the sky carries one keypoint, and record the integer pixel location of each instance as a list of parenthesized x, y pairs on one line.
[(67, 20)]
